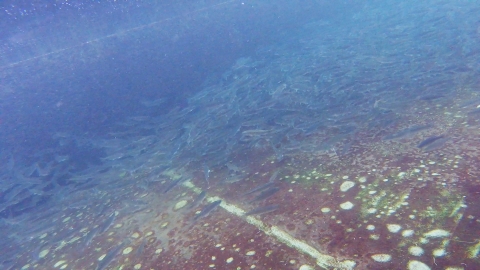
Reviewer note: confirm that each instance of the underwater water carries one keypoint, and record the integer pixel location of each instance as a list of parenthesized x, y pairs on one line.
[(240, 135)]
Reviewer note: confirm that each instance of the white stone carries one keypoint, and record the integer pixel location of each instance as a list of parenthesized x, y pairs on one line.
[(229, 260), (415, 251), (306, 267), (370, 227), (346, 186), (251, 253), (180, 205), (439, 252), (59, 263), (127, 250), (407, 233), (325, 210), (437, 233), (362, 179), (382, 257), (346, 205), (394, 228), (416, 265), (43, 253), (424, 240)]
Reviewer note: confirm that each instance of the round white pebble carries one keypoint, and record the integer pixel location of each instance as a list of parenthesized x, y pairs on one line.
[(394, 228), (346, 186), (127, 250), (43, 253), (180, 204), (251, 253), (382, 257), (59, 263), (407, 233), (439, 252), (370, 227), (437, 233), (325, 210), (306, 267), (415, 251), (229, 260), (416, 265), (346, 205)]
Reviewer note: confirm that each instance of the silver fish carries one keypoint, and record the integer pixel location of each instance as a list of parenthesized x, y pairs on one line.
[(207, 209), (89, 237), (259, 188), (262, 210), (198, 199), (429, 140), (206, 172), (107, 224), (265, 194)]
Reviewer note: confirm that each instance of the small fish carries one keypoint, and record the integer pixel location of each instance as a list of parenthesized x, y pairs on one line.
[(259, 188), (109, 257), (274, 175), (153, 103), (430, 97), (206, 172), (435, 145), (62, 236), (262, 210), (233, 167), (61, 159), (429, 140), (265, 194), (279, 155), (107, 224), (174, 184), (474, 112), (89, 237), (141, 248), (470, 103), (233, 177), (198, 199), (407, 132), (207, 209)]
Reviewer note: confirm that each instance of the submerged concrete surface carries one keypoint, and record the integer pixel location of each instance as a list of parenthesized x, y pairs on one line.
[(406, 209)]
